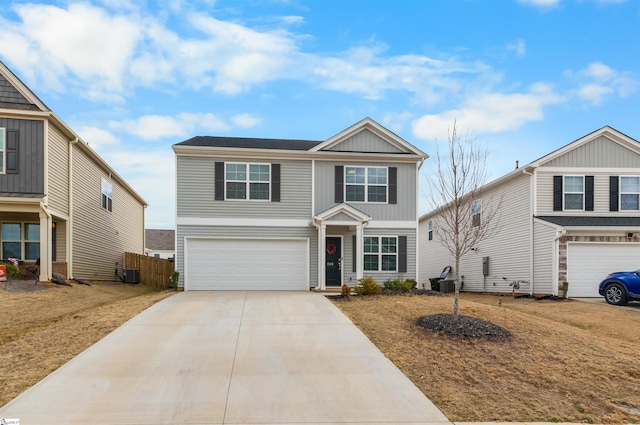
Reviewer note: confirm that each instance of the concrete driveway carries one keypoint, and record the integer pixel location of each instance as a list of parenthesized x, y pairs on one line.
[(633, 305), (229, 358)]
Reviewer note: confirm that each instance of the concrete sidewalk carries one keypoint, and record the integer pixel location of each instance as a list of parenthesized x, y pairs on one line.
[(229, 358)]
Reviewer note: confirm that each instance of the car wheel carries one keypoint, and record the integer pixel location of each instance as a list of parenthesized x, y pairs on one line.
[(615, 294)]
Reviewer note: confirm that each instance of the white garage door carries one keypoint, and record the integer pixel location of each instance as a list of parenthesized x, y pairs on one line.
[(588, 264), (246, 264)]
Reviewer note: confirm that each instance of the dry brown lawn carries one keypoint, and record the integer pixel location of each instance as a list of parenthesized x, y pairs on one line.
[(567, 361), (42, 330)]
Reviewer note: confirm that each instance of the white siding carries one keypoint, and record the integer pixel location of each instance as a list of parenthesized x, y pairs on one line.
[(58, 147)]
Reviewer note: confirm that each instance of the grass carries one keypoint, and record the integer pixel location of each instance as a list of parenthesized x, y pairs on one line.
[(42, 330), (566, 361)]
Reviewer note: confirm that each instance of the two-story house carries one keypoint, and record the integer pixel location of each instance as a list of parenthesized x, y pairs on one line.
[(272, 214), (60, 203), (571, 216)]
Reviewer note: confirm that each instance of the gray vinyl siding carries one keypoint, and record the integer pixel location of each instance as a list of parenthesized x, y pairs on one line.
[(404, 210), (600, 152), (196, 191), (341, 217), (58, 190), (100, 237), (30, 177), (544, 246), (544, 192), (252, 232), (365, 141), (509, 250), (11, 98)]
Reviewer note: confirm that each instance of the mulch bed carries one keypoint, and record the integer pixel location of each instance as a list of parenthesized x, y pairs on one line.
[(463, 327), (18, 285)]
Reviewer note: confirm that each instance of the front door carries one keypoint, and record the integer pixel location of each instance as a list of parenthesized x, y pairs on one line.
[(333, 263)]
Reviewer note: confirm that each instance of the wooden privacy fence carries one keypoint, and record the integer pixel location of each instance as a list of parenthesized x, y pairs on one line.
[(154, 272)]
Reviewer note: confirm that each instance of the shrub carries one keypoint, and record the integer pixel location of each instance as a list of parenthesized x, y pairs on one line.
[(346, 290), (368, 286), (12, 268), (173, 280), (400, 285)]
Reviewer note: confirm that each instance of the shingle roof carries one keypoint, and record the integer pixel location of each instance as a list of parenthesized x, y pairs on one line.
[(159, 239), (584, 221), (250, 143)]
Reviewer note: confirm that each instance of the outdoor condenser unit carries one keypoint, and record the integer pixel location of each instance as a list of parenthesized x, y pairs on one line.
[(131, 276)]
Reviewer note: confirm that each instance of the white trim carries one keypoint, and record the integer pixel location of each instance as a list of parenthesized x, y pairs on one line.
[(390, 224), (22, 241), (185, 263), (380, 253), (3, 150), (247, 181), (590, 171), (365, 185), (341, 259), (564, 192), (626, 193), (313, 187), (233, 221)]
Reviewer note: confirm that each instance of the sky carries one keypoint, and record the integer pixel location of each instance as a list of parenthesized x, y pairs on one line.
[(521, 77)]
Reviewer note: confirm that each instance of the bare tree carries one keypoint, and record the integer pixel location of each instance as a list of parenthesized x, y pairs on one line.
[(465, 215)]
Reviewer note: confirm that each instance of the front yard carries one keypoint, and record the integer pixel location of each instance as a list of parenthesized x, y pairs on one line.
[(567, 361)]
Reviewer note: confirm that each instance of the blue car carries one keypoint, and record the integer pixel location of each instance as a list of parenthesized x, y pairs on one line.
[(621, 287)]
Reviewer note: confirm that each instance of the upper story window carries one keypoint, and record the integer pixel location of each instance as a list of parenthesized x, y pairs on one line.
[(366, 184), (20, 240), (573, 192), (629, 193), (248, 181), (430, 224), (107, 195), (476, 211), (380, 253)]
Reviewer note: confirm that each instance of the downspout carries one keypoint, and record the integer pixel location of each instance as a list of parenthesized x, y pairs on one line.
[(48, 242), (70, 222), (531, 215)]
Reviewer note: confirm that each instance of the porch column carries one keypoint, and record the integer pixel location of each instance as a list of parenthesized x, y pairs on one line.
[(45, 247), (322, 232), (359, 253)]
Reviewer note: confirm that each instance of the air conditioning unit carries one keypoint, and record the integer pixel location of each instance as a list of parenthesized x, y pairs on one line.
[(131, 276)]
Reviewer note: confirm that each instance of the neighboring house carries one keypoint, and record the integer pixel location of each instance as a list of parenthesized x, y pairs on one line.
[(160, 243), (297, 214), (572, 215), (59, 201)]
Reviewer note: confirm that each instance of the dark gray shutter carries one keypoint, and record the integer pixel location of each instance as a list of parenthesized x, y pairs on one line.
[(12, 152), (354, 253), (557, 193), (588, 193), (339, 184), (402, 254), (613, 193), (393, 185), (275, 182), (219, 177)]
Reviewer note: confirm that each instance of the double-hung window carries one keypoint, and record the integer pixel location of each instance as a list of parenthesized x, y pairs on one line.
[(248, 181), (21, 240), (476, 211), (430, 230), (573, 192), (380, 253), (107, 195), (629, 193), (366, 184)]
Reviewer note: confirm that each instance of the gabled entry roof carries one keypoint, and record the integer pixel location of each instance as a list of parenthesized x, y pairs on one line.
[(353, 215)]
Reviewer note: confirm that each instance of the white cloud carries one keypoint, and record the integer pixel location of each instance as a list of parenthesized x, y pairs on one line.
[(155, 127), (246, 120), (396, 121), (293, 20), (518, 46), (489, 113), (544, 4), (97, 138), (598, 82)]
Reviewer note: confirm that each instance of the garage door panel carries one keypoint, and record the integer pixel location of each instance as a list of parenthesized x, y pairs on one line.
[(247, 264), (588, 264)]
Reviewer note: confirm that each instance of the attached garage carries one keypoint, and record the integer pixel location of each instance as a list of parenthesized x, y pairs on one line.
[(589, 263), (246, 264)]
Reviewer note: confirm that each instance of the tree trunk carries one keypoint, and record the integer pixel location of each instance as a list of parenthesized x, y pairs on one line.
[(456, 285)]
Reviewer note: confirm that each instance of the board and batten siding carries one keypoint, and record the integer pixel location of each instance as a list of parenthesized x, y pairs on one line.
[(196, 190), (509, 250), (600, 152), (30, 176), (544, 192), (403, 210), (544, 247), (183, 231), (365, 141), (58, 190), (101, 237), (11, 98)]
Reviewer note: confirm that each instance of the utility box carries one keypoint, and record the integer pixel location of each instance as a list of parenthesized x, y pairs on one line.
[(485, 266), (447, 286), (131, 276)]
